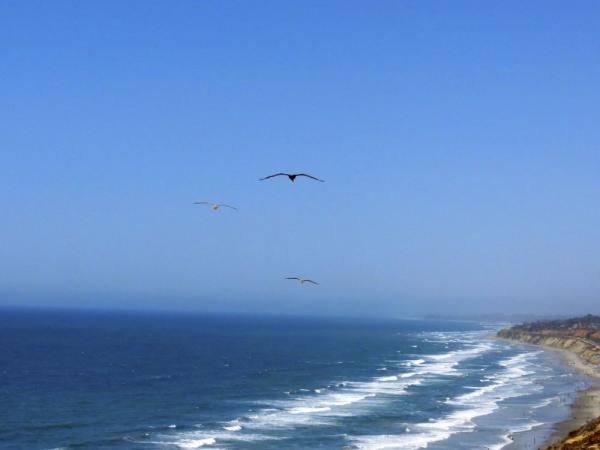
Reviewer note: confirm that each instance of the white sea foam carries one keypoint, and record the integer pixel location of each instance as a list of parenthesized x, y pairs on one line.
[(203, 439), (347, 398), (233, 425), (195, 443), (414, 362), (407, 375), (481, 401), (307, 410), (319, 406), (445, 364), (545, 402), (390, 378), (506, 438)]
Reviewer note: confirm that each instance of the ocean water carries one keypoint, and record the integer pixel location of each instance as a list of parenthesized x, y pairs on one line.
[(83, 380)]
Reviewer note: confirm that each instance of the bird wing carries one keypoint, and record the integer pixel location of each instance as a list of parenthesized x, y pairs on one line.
[(292, 278), (274, 175), (228, 206), (309, 176), (202, 203), (311, 281)]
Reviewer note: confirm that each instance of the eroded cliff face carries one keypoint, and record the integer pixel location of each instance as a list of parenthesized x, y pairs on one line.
[(584, 438), (588, 351)]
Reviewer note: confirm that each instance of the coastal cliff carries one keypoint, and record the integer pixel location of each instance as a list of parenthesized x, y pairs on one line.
[(589, 351), (586, 437), (580, 336)]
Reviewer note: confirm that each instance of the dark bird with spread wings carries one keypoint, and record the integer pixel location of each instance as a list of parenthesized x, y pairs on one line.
[(291, 176), (301, 280), (215, 206)]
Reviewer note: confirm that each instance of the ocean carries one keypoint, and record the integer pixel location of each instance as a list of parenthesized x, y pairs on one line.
[(123, 380)]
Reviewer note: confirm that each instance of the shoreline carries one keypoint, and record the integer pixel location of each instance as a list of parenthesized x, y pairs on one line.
[(585, 406)]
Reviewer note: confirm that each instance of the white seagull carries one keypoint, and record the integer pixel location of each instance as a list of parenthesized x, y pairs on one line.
[(215, 206), (301, 280)]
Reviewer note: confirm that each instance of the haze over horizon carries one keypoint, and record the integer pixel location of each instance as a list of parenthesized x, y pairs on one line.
[(459, 143)]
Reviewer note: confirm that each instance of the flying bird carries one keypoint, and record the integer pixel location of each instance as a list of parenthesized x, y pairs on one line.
[(291, 176), (301, 280), (215, 206)]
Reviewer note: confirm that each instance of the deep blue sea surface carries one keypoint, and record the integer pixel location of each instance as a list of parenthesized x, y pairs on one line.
[(89, 380)]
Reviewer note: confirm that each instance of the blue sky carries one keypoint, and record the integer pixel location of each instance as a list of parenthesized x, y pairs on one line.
[(459, 142)]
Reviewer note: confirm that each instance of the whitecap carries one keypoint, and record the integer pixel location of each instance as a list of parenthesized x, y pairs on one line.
[(414, 362), (308, 410), (390, 378), (195, 443), (407, 375)]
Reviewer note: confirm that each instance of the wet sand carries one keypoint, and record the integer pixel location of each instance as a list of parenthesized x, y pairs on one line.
[(585, 407)]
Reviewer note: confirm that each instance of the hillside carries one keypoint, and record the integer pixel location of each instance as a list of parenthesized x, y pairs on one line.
[(584, 438)]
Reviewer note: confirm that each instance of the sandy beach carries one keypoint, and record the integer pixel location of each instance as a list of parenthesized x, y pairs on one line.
[(585, 407), (587, 404)]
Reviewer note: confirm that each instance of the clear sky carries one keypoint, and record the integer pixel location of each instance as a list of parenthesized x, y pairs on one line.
[(459, 141)]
